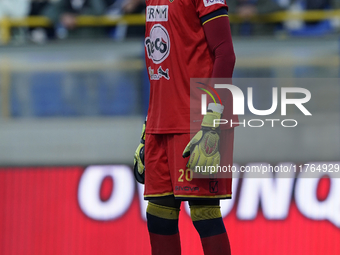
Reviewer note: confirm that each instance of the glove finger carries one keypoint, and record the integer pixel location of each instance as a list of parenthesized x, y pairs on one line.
[(193, 142), (194, 159), (135, 158), (141, 154), (215, 163), (186, 152), (206, 165), (139, 177), (141, 168), (217, 160)]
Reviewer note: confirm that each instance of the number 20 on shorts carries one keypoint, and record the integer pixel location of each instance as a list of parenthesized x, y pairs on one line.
[(187, 174)]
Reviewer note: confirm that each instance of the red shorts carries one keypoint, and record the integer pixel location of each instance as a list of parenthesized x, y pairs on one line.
[(166, 173)]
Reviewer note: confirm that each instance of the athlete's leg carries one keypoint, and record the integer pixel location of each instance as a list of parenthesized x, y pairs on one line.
[(207, 219), (162, 216)]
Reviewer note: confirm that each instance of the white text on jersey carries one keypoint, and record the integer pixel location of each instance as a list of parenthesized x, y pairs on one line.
[(211, 2), (157, 13)]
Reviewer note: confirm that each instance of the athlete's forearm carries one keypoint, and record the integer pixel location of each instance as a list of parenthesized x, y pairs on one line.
[(218, 35)]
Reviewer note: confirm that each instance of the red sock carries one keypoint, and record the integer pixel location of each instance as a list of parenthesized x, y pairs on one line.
[(209, 224), (216, 245), (165, 244), (163, 229)]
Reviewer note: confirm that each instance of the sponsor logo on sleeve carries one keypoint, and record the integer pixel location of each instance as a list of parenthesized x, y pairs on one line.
[(157, 44), (211, 2), (157, 13)]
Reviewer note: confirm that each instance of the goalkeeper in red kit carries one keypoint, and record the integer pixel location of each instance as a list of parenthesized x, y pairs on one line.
[(185, 39)]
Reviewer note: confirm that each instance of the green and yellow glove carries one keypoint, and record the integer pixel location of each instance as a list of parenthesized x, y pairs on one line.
[(139, 167), (203, 148)]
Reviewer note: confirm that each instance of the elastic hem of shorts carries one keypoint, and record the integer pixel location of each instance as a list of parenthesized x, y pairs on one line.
[(183, 131), (153, 196), (159, 131), (194, 197)]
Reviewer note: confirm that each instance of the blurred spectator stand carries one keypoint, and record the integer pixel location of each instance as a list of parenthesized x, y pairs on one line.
[(12, 9), (63, 14), (246, 11), (303, 27), (258, 17)]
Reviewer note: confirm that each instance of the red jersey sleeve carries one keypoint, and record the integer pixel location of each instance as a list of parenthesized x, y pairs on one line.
[(204, 7)]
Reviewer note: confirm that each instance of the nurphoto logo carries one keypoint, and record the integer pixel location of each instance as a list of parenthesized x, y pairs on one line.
[(239, 105)]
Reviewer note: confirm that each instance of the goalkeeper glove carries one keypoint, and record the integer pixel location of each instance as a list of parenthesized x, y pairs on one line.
[(203, 148), (139, 167)]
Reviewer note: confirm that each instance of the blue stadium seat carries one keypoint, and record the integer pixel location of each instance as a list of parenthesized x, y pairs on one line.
[(117, 97), (46, 94)]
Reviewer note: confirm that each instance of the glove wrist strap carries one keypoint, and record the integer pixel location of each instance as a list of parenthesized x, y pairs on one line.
[(214, 112), (216, 108)]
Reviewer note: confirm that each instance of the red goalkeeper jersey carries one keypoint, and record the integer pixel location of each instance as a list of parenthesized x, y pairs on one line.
[(175, 50)]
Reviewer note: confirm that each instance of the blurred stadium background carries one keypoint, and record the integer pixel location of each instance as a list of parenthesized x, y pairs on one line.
[(74, 93)]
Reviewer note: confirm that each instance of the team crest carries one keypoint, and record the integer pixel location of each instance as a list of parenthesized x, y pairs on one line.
[(213, 186)]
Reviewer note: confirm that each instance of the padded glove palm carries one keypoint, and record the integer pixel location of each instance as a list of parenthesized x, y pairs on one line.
[(203, 148)]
